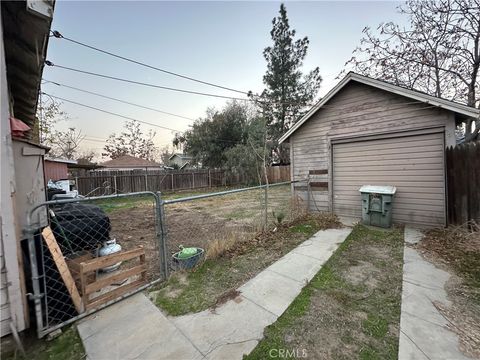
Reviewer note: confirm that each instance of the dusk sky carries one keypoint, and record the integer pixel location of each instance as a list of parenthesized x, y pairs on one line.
[(218, 42)]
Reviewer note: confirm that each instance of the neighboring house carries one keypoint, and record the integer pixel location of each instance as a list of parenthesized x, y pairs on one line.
[(128, 162), (366, 131), (24, 34), (181, 161), (57, 169)]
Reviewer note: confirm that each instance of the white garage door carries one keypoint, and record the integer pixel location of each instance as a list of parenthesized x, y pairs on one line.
[(414, 164)]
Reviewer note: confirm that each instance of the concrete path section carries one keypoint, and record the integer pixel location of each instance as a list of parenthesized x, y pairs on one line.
[(423, 331), (235, 328), (136, 329)]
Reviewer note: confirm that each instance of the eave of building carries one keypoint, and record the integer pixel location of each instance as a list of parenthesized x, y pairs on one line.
[(25, 40), (460, 109)]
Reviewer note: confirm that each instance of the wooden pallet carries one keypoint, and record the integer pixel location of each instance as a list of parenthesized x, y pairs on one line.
[(88, 288)]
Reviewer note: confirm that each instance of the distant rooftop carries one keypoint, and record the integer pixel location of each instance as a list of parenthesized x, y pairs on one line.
[(129, 161), (181, 156)]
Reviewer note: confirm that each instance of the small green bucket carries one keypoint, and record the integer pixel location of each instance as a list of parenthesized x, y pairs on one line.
[(187, 258)]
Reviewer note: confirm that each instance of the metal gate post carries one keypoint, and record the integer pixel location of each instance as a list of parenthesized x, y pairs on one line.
[(37, 295), (309, 193), (265, 225), (162, 234)]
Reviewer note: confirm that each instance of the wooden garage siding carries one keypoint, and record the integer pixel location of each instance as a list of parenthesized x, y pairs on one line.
[(355, 110), (414, 164)]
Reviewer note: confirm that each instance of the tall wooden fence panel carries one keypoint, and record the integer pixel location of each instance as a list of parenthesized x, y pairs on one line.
[(463, 183), (111, 182)]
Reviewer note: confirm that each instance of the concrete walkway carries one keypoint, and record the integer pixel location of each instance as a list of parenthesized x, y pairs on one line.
[(137, 329), (423, 331)]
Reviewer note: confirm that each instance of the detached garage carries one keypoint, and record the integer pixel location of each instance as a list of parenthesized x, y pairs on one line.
[(368, 132)]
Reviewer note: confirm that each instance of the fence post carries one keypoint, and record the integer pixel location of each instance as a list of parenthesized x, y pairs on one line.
[(161, 234), (146, 181), (37, 295), (265, 226), (209, 178), (193, 180), (115, 183), (173, 187), (308, 194)]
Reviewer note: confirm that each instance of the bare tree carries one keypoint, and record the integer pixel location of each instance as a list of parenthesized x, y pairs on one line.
[(132, 142), (63, 144), (67, 143), (438, 53), (49, 114)]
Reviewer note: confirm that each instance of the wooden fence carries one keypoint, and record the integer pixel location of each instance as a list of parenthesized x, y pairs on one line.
[(463, 183), (110, 182)]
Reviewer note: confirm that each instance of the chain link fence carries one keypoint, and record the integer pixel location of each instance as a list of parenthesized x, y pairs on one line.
[(87, 253), (218, 220)]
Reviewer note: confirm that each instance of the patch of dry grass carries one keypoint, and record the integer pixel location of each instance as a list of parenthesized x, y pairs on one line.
[(221, 245)]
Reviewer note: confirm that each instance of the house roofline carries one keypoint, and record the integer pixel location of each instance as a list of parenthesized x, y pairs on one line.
[(413, 94), (181, 156), (58, 160)]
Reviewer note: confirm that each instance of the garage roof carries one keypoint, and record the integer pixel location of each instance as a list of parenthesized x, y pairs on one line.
[(413, 94)]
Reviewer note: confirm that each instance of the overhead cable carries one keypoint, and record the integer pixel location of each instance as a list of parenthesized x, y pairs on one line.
[(49, 63), (119, 100), (58, 35), (111, 113)]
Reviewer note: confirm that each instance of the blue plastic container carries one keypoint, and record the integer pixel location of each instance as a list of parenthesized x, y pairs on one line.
[(190, 262)]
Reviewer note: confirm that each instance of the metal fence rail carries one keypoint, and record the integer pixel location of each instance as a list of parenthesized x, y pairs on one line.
[(76, 234), (216, 221), (80, 228)]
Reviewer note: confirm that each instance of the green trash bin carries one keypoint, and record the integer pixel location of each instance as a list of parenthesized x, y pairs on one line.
[(377, 202)]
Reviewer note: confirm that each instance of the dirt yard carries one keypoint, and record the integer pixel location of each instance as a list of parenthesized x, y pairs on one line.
[(226, 268), (351, 308), (197, 223)]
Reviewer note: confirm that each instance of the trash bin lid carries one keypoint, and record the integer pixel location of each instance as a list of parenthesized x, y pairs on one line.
[(378, 189)]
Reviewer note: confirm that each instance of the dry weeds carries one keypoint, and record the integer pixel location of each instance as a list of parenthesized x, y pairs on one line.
[(457, 249)]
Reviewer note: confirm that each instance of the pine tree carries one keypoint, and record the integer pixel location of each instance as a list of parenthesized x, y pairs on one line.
[(288, 92)]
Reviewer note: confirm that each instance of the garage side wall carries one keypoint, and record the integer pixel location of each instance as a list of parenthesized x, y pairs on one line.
[(356, 110)]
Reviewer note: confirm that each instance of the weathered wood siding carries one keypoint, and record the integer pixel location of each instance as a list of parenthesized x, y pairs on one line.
[(55, 170), (356, 110)]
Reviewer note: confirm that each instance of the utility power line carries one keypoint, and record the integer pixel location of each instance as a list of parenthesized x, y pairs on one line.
[(58, 35), (252, 99), (111, 113), (119, 100), (49, 63), (123, 116), (94, 140)]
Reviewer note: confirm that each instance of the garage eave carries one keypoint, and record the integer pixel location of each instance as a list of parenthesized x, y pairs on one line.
[(455, 107)]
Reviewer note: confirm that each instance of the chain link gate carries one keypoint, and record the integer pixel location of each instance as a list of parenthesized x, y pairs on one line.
[(67, 238)]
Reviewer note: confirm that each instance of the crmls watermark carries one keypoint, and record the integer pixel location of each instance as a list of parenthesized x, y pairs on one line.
[(288, 353)]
